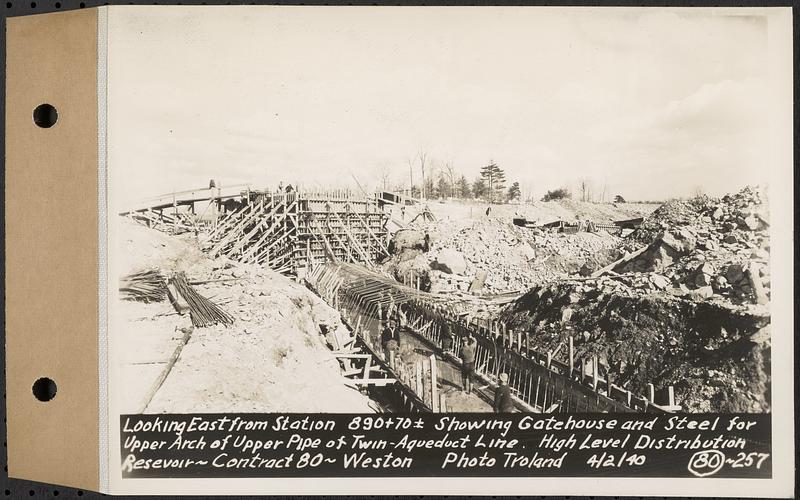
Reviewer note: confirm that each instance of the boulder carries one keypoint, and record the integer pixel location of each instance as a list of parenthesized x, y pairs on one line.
[(734, 273), (450, 261), (527, 252), (660, 282), (760, 254), (406, 239), (752, 223), (681, 241), (480, 279), (703, 292), (702, 279)]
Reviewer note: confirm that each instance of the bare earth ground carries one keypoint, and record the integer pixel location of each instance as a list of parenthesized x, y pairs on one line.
[(272, 359)]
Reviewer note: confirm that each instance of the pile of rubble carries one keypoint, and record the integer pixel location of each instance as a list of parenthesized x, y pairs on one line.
[(687, 307), (707, 248), (512, 259)]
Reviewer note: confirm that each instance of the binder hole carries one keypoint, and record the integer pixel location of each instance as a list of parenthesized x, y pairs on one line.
[(44, 389), (45, 115), (58, 5), (33, 5)]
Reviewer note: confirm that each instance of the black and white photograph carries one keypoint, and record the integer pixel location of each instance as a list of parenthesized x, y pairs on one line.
[(475, 212)]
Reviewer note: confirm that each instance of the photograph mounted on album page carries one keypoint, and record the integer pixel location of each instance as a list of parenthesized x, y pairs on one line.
[(315, 249)]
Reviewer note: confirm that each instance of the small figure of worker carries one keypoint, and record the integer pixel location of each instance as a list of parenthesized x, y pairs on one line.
[(502, 396), (468, 362), (390, 340), (488, 210), (399, 316), (426, 243), (403, 212), (447, 337)]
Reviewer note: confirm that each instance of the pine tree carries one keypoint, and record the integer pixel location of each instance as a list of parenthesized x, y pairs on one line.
[(463, 188), (514, 193), (478, 187), (443, 187), (494, 178)]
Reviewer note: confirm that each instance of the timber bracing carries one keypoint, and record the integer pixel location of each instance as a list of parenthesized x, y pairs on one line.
[(286, 231)]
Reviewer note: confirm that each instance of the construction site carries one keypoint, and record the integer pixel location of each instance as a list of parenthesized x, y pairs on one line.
[(236, 299)]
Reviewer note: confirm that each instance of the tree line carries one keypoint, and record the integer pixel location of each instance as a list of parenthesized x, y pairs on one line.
[(443, 181), (431, 180)]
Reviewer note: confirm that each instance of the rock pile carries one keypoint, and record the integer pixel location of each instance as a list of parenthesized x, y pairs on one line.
[(709, 247), (514, 258)]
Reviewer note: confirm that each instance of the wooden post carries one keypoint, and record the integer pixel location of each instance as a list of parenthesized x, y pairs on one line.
[(418, 379), (571, 356), (519, 341), (671, 396), (549, 359), (608, 383), (544, 397), (651, 394), (434, 391), (175, 214), (309, 258), (367, 367), (595, 372)]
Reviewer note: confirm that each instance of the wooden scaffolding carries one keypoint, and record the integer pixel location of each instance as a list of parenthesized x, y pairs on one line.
[(286, 231)]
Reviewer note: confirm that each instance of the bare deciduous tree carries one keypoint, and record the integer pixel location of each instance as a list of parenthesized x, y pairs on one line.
[(423, 158), (585, 187), (452, 177)]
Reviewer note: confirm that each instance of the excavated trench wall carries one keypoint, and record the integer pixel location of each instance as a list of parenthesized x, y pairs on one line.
[(715, 356)]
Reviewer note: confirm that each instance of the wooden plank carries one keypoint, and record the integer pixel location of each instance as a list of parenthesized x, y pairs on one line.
[(433, 384)]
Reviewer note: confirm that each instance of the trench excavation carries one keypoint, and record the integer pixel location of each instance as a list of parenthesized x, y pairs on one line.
[(346, 249), (539, 384)]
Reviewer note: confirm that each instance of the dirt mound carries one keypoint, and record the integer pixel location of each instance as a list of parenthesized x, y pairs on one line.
[(716, 356), (273, 358)]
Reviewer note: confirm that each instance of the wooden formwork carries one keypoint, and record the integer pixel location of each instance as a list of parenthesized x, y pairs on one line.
[(286, 231), (539, 382), (345, 229)]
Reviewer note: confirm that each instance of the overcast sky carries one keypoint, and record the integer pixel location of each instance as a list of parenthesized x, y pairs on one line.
[(651, 103)]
